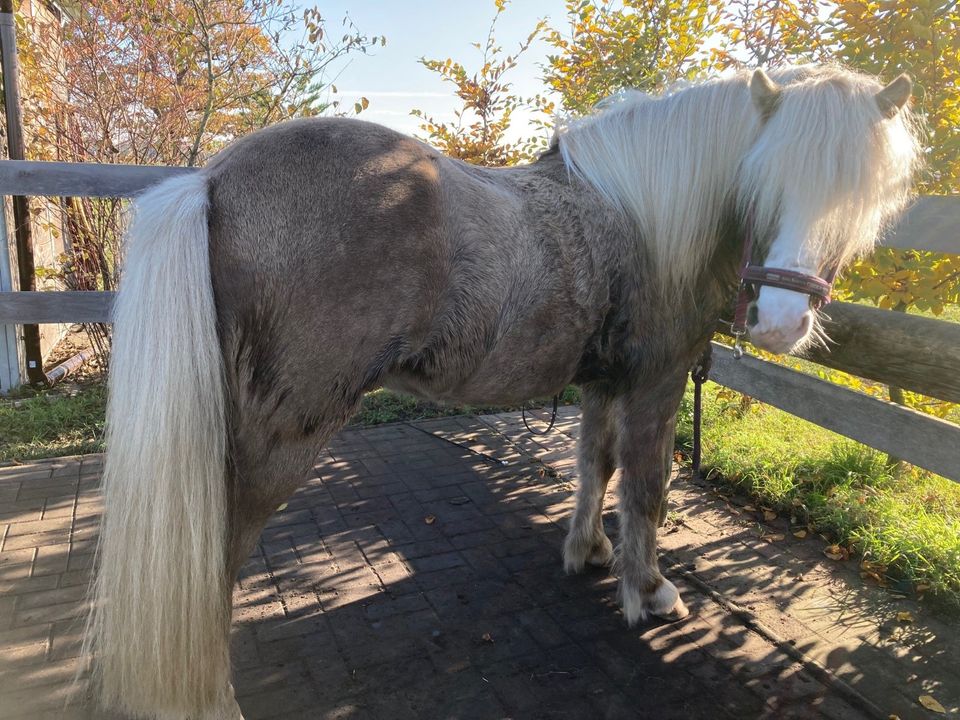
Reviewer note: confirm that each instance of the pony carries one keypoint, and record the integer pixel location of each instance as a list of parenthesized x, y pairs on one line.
[(317, 259)]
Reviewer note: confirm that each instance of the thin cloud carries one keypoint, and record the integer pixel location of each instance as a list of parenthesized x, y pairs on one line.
[(394, 93)]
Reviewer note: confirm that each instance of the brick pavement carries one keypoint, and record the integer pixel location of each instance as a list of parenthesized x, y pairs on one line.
[(416, 578)]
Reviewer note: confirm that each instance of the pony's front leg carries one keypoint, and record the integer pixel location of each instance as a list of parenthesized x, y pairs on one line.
[(648, 421), (586, 541)]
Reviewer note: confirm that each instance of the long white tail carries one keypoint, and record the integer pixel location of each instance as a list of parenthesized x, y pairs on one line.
[(161, 613)]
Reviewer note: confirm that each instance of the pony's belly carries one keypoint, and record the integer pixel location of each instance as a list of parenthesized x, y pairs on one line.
[(506, 377)]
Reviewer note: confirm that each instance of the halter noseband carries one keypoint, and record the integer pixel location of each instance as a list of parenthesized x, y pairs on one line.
[(752, 277)]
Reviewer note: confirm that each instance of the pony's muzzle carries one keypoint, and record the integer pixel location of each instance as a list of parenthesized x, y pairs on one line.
[(779, 320)]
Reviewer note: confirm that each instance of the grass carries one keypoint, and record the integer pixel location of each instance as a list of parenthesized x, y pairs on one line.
[(906, 526), (53, 423)]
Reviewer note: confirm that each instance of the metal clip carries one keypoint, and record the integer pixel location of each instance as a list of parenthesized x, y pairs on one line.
[(737, 345)]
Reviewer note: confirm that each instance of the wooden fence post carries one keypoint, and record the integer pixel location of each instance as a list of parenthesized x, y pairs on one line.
[(21, 210), (10, 351)]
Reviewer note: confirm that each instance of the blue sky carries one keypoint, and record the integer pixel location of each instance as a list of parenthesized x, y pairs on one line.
[(393, 80)]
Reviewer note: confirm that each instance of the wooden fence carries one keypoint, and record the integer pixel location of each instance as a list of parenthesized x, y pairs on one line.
[(915, 353)]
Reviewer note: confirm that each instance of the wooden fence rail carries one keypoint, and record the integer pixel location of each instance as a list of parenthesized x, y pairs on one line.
[(918, 354), (60, 179), (923, 440)]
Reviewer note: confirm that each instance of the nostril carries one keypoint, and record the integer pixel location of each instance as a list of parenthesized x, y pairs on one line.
[(753, 315)]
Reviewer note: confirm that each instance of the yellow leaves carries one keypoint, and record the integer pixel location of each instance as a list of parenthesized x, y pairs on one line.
[(905, 617), (482, 121), (875, 571), (931, 704), (430, 519), (800, 534)]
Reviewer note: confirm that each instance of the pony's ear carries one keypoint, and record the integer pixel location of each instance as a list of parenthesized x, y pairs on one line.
[(894, 96), (764, 93)]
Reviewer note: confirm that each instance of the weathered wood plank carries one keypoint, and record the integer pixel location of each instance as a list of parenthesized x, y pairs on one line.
[(930, 224), (17, 308), (915, 353), (922, 440), (20, 177), (912, 352)]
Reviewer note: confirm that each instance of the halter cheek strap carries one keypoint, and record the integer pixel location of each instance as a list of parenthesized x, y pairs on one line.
[(752, 277)]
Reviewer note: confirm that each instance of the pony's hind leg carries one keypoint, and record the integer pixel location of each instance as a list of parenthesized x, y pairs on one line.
[(586, 541), (646, 454)]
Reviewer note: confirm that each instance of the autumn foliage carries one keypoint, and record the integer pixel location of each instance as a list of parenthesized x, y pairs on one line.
[(164, 83)]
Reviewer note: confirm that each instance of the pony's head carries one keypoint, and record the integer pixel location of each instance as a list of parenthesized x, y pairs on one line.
[(831, 165)]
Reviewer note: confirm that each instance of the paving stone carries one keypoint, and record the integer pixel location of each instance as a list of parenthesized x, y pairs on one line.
[(354, 606)]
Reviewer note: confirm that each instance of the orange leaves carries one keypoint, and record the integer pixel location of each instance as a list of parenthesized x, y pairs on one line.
[(169, 83)]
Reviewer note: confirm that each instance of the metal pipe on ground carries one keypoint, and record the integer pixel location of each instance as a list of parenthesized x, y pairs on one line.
[(62, 370)]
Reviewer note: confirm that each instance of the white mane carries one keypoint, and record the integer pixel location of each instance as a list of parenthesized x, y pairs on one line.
[(673, 163)]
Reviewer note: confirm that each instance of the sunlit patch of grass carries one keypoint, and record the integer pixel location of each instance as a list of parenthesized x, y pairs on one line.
[(908, 522), (51, 423)]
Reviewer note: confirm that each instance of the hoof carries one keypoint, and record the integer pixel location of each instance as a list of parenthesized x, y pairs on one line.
[(601, 554), (578, 553), (664, 603)]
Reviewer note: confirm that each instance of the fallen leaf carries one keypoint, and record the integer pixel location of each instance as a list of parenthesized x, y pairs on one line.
[(769, 515), (922, 587), (800, 534), (430, 519), (774, 537), (282, 507), (930, 704), (749, 508), (487, 638), (834, 552), (905, 616)]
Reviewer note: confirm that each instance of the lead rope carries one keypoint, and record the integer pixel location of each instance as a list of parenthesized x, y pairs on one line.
[(699, 375), (553, 418)]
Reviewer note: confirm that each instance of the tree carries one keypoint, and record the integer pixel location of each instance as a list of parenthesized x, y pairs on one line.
[(636, 44), (769, 33), (478, 134), (171, 82)]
